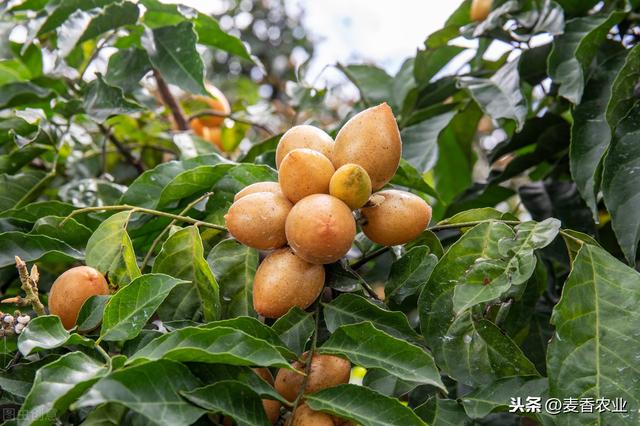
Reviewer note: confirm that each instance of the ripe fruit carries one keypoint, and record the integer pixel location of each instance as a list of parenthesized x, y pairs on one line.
[(282, 281), (480, 9), (320, 228), (371, 139), (326, 371), (304, 172), (397, 218), (258, 220), (271, 406), (216, 102), (305, 416), (351, 184), (258, 187), (71, 289), (304, 136)]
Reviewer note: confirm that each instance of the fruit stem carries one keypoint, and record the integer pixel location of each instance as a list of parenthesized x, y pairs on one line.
[(134, 209), (307, 366), (170, 101), (30, 286), (232, 117), (157, 240), (368, 257)]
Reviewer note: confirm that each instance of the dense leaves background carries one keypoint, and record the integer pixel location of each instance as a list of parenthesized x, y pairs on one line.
[(526, 284)]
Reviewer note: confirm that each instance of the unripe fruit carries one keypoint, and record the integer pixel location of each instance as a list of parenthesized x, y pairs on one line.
[(71, 289), (304, 136), (397, 217), (258, 220), (305, 416), (216, 102), (371, 139), (304, 172), (273, 187), (271, 406), (351, 184), (320, 228), (326, 371), (282, 281), (480, 9)]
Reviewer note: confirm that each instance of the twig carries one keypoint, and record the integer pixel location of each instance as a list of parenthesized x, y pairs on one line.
[(368, 257), (122, 149), (152, 212), (363, 283), (308, 361), (29, 286), (170, 101), (230, 116), (157, 240)]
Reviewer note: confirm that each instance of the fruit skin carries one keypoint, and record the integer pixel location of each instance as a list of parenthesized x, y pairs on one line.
[(480, 9), (304, 172), (259, 187), (320, 228), (305, 416), (326, 371), (282, 281), (71, 289), (216, 102), (271, 406), (258, 220), (304, 136), (398, 218), (351, 184), (371, 139)]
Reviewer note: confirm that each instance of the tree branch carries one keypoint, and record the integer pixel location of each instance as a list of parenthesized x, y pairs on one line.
[(170, 101), (231, 116), (29, 286), (122, 149)]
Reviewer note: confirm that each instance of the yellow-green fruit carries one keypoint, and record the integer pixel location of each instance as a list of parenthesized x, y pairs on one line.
[(320, 228), (351, 184), (480, 9), (370, 139), (326, 371), (304, 172), (396, 218), (304, 136), (282, 281), (271, 406), (71, 289), (258, 220), (259, 187), (305, 416)]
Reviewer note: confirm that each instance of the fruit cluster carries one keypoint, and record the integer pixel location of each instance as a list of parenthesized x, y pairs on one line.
[(307, 217)]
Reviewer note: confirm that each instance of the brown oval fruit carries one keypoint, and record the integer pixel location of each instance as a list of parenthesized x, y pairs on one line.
[(304, 172), (304, 136), (305, 416), (258, 220), (320, 228), (351, 184), (397, 217), (282, 281), (271, 406), (273, 187), (216, 102), (370, 139), (326, 371), (71, 289), (480, 9)]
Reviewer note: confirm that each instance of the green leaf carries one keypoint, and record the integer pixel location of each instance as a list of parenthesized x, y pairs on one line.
[(57, 12), (622, 88), (18, 379), (233, 399), (14, 188), (110, 250), (295, 329), (126, 68), (409, 274), (420, 141), (109, 414), (101, 101), (370, 347), (57, 385), (172, 51), (22, 93), (33, 248), (499, 96), (410, 178), (596, 338), (442, 412), (387, 384), (363, 406), (373, 83), (91, 313), (352, 309), (431, 60), (192, 182), (574, 50), (488, 354), (151, 390), (47, 332), (71, 232), (182, 256), (212, 345), (130, 308), (234, 266)]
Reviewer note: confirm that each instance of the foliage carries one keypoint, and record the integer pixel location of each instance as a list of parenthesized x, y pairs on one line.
[(524, 285)]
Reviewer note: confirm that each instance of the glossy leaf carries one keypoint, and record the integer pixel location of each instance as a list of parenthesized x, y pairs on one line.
[(295, 328), (126, 68), (68, 230), (409, 274), (442, 412), (191, 182), (373, 83), (32, 248), (47, 332), (91, 313), (101, 101)]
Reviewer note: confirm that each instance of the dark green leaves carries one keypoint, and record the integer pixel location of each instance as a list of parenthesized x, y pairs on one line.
[(31, 248), (126, 68), (420, 141), (410, 273), (102, 101), (373, 83), (47, 332), (295, 329)]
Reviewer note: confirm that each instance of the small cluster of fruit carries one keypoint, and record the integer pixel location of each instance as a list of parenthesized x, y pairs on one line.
[(309, 209)]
